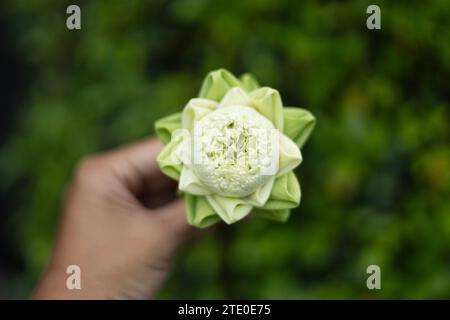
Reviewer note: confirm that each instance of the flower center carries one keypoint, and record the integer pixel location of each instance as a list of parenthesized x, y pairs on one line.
[(233, 151)]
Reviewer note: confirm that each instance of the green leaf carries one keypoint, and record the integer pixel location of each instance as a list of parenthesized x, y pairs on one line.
[(298, 124), (285, 193), (217, 83), (249, 82), (164, 127), (281, 215), (199, 212)]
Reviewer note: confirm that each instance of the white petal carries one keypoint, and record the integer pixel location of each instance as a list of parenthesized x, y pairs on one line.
[(229, 209), (190, 183), (195, 110), (261, 195), (290, 155), (235, 97)]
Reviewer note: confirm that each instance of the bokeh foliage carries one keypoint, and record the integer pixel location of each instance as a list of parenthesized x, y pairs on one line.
[(375, 177)]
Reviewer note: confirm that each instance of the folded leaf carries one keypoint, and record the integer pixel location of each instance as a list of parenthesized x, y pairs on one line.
[(267, 101), (229, 209), (249, 82), (281, 215), (164, 127), (168, 160), (298, 124), (199, 211), (290, 155), (217, 83), (285, 193)]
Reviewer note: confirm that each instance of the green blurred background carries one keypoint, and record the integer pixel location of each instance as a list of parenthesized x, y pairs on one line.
[(375, 176)]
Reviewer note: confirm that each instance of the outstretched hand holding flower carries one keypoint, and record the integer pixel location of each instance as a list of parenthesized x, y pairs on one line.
[(233, 151)]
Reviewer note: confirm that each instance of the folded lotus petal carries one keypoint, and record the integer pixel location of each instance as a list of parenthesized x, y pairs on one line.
[(235, 97), (290, 155), (190, 183), (195, 110), (168, 159), (166, 126), (281, 215), (249, 82), (199, 211), (267, 101), (261, 195), (286, 193), (229, 209), (217, 83), (298, 124)]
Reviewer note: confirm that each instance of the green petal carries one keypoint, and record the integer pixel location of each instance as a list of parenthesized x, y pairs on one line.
[(217, 83), (195, 110), (229, 209), (167, 160), (290, 155), (298, 124), (285, 193), (267, 101), (164, 127), (281, 215), (249, 82), (199, 212)]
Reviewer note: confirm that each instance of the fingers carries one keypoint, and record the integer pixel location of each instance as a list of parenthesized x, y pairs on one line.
[(173, 219), (136, 166), (153, 197), (140, 156)]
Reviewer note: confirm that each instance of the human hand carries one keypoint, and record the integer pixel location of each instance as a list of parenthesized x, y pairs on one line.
[(120, 225)]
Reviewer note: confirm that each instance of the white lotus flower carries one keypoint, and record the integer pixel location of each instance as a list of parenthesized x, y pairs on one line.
[(233, 150)]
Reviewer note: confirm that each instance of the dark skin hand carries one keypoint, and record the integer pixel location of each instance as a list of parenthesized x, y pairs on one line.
[(121, 225)]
